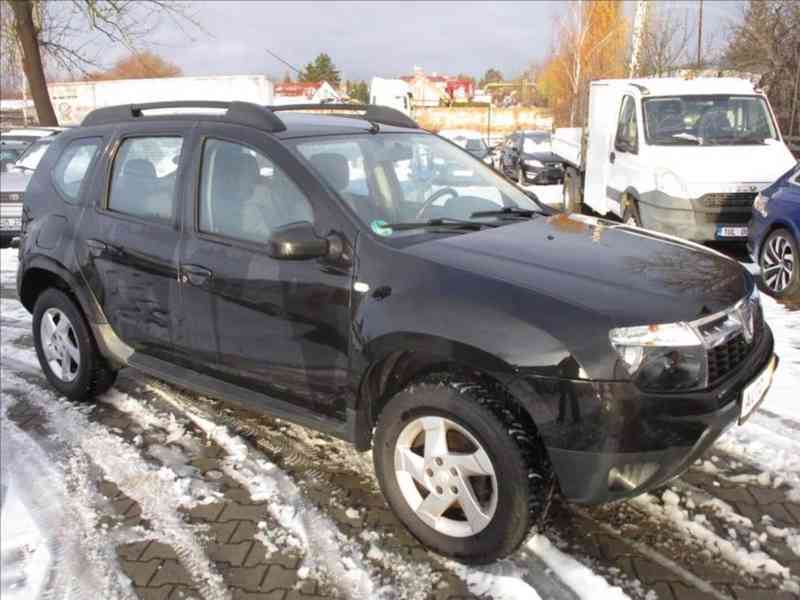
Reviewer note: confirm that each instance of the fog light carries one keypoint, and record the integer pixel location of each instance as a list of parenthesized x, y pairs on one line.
[(631, 476)]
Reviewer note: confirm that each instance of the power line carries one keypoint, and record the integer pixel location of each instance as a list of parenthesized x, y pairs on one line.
[(275, 56)]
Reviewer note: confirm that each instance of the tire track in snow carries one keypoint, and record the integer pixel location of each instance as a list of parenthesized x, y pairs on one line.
[(157, 491)]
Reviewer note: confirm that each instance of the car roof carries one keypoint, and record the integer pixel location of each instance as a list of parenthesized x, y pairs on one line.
[(675, 86), (282, 121)]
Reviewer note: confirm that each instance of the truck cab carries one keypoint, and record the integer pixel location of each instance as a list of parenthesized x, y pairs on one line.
[(392, 93), (683, 157)]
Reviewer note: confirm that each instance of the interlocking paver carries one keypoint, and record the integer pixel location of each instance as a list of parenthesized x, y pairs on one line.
[(171, 572), (249, 578), (140, 572), (279, 577), (230, 553), (160, 593), (243, 512), (159, 550)]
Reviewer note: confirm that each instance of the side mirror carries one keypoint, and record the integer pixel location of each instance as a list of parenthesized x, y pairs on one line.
[(299, 241)]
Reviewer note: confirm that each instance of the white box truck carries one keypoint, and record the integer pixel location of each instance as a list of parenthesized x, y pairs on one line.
[(394, 93), (683, 157), (73, 100)]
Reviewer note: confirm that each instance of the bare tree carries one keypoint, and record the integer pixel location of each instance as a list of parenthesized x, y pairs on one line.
[(61, 32), (766, 40), (665, 42)]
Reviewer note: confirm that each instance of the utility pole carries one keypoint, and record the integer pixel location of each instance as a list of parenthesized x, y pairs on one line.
[(700, 38), (638, 36)]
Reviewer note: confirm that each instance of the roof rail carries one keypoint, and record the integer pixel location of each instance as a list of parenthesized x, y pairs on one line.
[(242, 113), (372, 112)]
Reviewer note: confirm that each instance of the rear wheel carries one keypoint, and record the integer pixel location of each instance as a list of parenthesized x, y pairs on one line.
[(631, 214), (457, 470), (780, 268), (66, 350)]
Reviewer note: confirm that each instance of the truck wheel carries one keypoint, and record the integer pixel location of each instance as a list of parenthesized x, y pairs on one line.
[(458, 471), (569, 192), (780, 265), (66, 350), (631, 214)]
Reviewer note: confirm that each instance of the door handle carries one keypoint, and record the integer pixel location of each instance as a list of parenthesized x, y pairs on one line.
[(612, 157), (195, 275), (96, 247)]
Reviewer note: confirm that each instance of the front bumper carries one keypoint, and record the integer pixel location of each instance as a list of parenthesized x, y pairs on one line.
[(542, 175), (608, 440), (694, 218)]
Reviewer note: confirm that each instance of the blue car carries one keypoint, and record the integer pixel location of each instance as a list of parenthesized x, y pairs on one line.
[(774, 235)]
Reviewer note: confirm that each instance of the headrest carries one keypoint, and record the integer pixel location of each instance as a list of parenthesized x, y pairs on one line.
[(139, 168), (233, 166), (334, 168)]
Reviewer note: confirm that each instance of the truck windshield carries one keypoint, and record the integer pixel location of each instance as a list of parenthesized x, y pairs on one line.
[(411, 178), (707, 120)]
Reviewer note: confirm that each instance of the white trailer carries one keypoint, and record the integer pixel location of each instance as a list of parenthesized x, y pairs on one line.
[(394, 93), (683, 157), (73, 100)]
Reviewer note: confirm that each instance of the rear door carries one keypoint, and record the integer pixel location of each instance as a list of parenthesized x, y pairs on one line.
[(276, 327), (128, 241)]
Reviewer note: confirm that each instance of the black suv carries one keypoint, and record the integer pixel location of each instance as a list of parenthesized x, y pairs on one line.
[(358, 275), (525, 157)]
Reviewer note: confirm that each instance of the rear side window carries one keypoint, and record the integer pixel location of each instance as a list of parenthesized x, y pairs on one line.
[(144, 176), (244, 195), (73, 165)]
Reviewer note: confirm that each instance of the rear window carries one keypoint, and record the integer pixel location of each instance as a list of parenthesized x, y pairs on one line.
[(144, 177), (73, 165)]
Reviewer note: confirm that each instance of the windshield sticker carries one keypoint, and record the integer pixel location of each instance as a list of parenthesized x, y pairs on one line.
[(379, 227)]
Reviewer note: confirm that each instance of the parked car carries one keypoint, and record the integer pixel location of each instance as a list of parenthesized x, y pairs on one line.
[(13, 182), (774, 241), (10, 153), (471, 141), (309, 266), (525, 157)]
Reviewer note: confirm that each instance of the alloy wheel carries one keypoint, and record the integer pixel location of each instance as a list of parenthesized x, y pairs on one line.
[(60, 344), (446, 476), (778, 263)]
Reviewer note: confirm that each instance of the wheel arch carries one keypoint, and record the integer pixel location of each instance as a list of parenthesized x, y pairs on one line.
[(396, 360), (41, 272)]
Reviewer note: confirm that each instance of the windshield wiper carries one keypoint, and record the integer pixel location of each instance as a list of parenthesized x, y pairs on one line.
[(508, 211), (442, 222)]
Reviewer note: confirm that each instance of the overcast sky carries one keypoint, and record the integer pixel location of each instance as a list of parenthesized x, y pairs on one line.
[(381, 38)]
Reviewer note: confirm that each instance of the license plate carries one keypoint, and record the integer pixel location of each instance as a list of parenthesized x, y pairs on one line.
[(725, 231), (754, 393), (12, 224)]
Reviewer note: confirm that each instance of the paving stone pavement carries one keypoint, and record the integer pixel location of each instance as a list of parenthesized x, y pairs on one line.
[(339, 483)]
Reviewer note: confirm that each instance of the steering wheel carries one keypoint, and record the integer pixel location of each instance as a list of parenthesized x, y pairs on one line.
[(434, 197)]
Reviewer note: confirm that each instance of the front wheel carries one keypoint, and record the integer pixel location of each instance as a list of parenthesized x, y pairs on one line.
[(780, 268), (464, 477)]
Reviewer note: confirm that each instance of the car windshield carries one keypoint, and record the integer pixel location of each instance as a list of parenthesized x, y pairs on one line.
[(410, 178), (30, 159), (475, 145), (535, 142), (707, 120)]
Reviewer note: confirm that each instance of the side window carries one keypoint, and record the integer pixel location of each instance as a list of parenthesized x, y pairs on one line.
[(627, 139), (144, 176), (244, 195), (73, 165)]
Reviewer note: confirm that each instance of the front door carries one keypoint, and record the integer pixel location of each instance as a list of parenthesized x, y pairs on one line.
[(277, 327), (128, 242), (624, 160)]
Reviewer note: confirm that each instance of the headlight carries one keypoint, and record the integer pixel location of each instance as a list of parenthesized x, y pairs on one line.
[(669, 183), (760, 204), (532, 162), (661, 357)]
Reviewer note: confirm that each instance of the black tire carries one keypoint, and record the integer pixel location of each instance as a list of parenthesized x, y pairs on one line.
[(93, 375), (517, 456), (631, 213), (780, 239)]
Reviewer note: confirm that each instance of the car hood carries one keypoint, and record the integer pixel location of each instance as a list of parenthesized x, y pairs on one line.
[(14, 181), (630, 276), (542, 156), (725, 164)]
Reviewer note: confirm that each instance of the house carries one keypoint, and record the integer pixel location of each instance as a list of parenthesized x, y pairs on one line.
[(427, 90), (298, 92), (460, 90)]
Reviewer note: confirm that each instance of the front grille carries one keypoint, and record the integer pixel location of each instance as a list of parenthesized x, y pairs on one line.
[(724, 217), (732, 200), (727, 356)]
